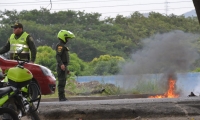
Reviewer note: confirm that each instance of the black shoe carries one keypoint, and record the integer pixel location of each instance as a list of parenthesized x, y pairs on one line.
[(63, 99)]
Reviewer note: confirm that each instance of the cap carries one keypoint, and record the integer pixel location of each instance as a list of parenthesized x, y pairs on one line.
[(17, 25)]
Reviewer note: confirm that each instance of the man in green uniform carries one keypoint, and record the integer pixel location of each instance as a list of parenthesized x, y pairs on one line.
[(19, 38), (62, 57)]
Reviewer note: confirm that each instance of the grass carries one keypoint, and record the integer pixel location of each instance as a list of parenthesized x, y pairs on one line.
[(73, 89)]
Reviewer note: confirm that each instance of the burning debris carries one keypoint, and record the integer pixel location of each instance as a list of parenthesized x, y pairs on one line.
[(171, 92), (171, 51), (192, 95)]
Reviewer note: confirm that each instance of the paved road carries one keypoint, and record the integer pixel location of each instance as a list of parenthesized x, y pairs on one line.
[(124, 109)]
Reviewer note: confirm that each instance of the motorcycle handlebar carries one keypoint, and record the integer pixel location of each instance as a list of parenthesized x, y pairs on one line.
[(27, 61), (22, 62), (18, 59)]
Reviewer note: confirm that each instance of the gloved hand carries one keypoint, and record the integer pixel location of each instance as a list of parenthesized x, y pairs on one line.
[(62, 67), (68, 72), (31, 62)]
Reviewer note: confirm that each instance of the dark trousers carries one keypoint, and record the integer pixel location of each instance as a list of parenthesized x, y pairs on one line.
[(62, 78)]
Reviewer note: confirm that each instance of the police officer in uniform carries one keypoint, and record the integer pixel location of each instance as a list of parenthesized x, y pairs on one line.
[(19, 38), (62, 57)]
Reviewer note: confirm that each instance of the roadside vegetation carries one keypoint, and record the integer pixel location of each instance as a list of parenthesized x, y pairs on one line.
[(95, 88)]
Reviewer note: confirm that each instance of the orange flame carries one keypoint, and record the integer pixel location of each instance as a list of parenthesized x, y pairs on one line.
[(170, 93)]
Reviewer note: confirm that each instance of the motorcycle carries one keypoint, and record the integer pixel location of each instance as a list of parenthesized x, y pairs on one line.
[(19, 92)]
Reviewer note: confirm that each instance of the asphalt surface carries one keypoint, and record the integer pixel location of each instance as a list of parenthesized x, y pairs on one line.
[(121, 107)]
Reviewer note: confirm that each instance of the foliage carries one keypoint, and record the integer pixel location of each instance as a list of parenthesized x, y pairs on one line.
[(146, 87), (106, 65), (46, 57), (77, 65), (111, 90), (5, 33), (71, 83), (197, 70)]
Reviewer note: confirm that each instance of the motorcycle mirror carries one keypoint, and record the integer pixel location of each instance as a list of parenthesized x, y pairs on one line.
[(19, 50)]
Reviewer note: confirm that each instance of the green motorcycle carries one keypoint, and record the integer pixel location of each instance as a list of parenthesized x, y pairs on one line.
[(19, 92)]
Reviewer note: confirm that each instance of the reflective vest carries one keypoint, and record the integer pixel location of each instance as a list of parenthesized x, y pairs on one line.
[(20, 42)]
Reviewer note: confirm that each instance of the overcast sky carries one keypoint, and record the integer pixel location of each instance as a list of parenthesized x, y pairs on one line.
[(105, 7)]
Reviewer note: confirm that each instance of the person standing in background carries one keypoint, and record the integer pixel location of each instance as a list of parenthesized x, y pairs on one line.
[(62, 58)]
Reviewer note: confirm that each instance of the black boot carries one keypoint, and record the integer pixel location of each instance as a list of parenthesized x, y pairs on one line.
[(63, 99)]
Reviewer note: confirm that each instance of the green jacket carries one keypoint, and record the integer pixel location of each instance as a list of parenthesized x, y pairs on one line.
[(20, 42), (29, 41), (62, 54)]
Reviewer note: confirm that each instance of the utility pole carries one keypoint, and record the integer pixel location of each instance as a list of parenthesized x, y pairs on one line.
[(166, 7)]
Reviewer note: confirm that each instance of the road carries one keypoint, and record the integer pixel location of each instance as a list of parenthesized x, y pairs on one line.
[(186, 108)]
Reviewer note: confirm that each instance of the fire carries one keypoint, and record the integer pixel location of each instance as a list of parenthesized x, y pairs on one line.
[(171, 91)]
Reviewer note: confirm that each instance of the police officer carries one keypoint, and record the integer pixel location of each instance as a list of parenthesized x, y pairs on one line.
[(19, 38), (62, 57)]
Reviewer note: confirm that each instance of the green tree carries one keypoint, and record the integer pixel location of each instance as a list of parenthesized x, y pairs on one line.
[(77, 65), (46, 57), (106, 65), (5, 32)]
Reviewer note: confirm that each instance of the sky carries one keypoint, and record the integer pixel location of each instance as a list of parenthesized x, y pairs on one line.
[(108, 8)]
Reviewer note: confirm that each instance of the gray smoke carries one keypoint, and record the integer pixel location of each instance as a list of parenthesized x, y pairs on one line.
[(162, 56), (162, 53)]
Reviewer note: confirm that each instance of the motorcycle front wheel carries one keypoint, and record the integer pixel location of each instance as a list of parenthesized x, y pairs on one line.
[(12, 115), (33, 114), (34, 90), (10, 104)]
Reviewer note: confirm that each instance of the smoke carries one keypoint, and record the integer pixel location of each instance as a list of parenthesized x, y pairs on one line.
[(166, 54), (163, 52)]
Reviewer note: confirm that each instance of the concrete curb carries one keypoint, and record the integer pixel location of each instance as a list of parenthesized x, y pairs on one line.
[(80, 98), (120, 108)]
